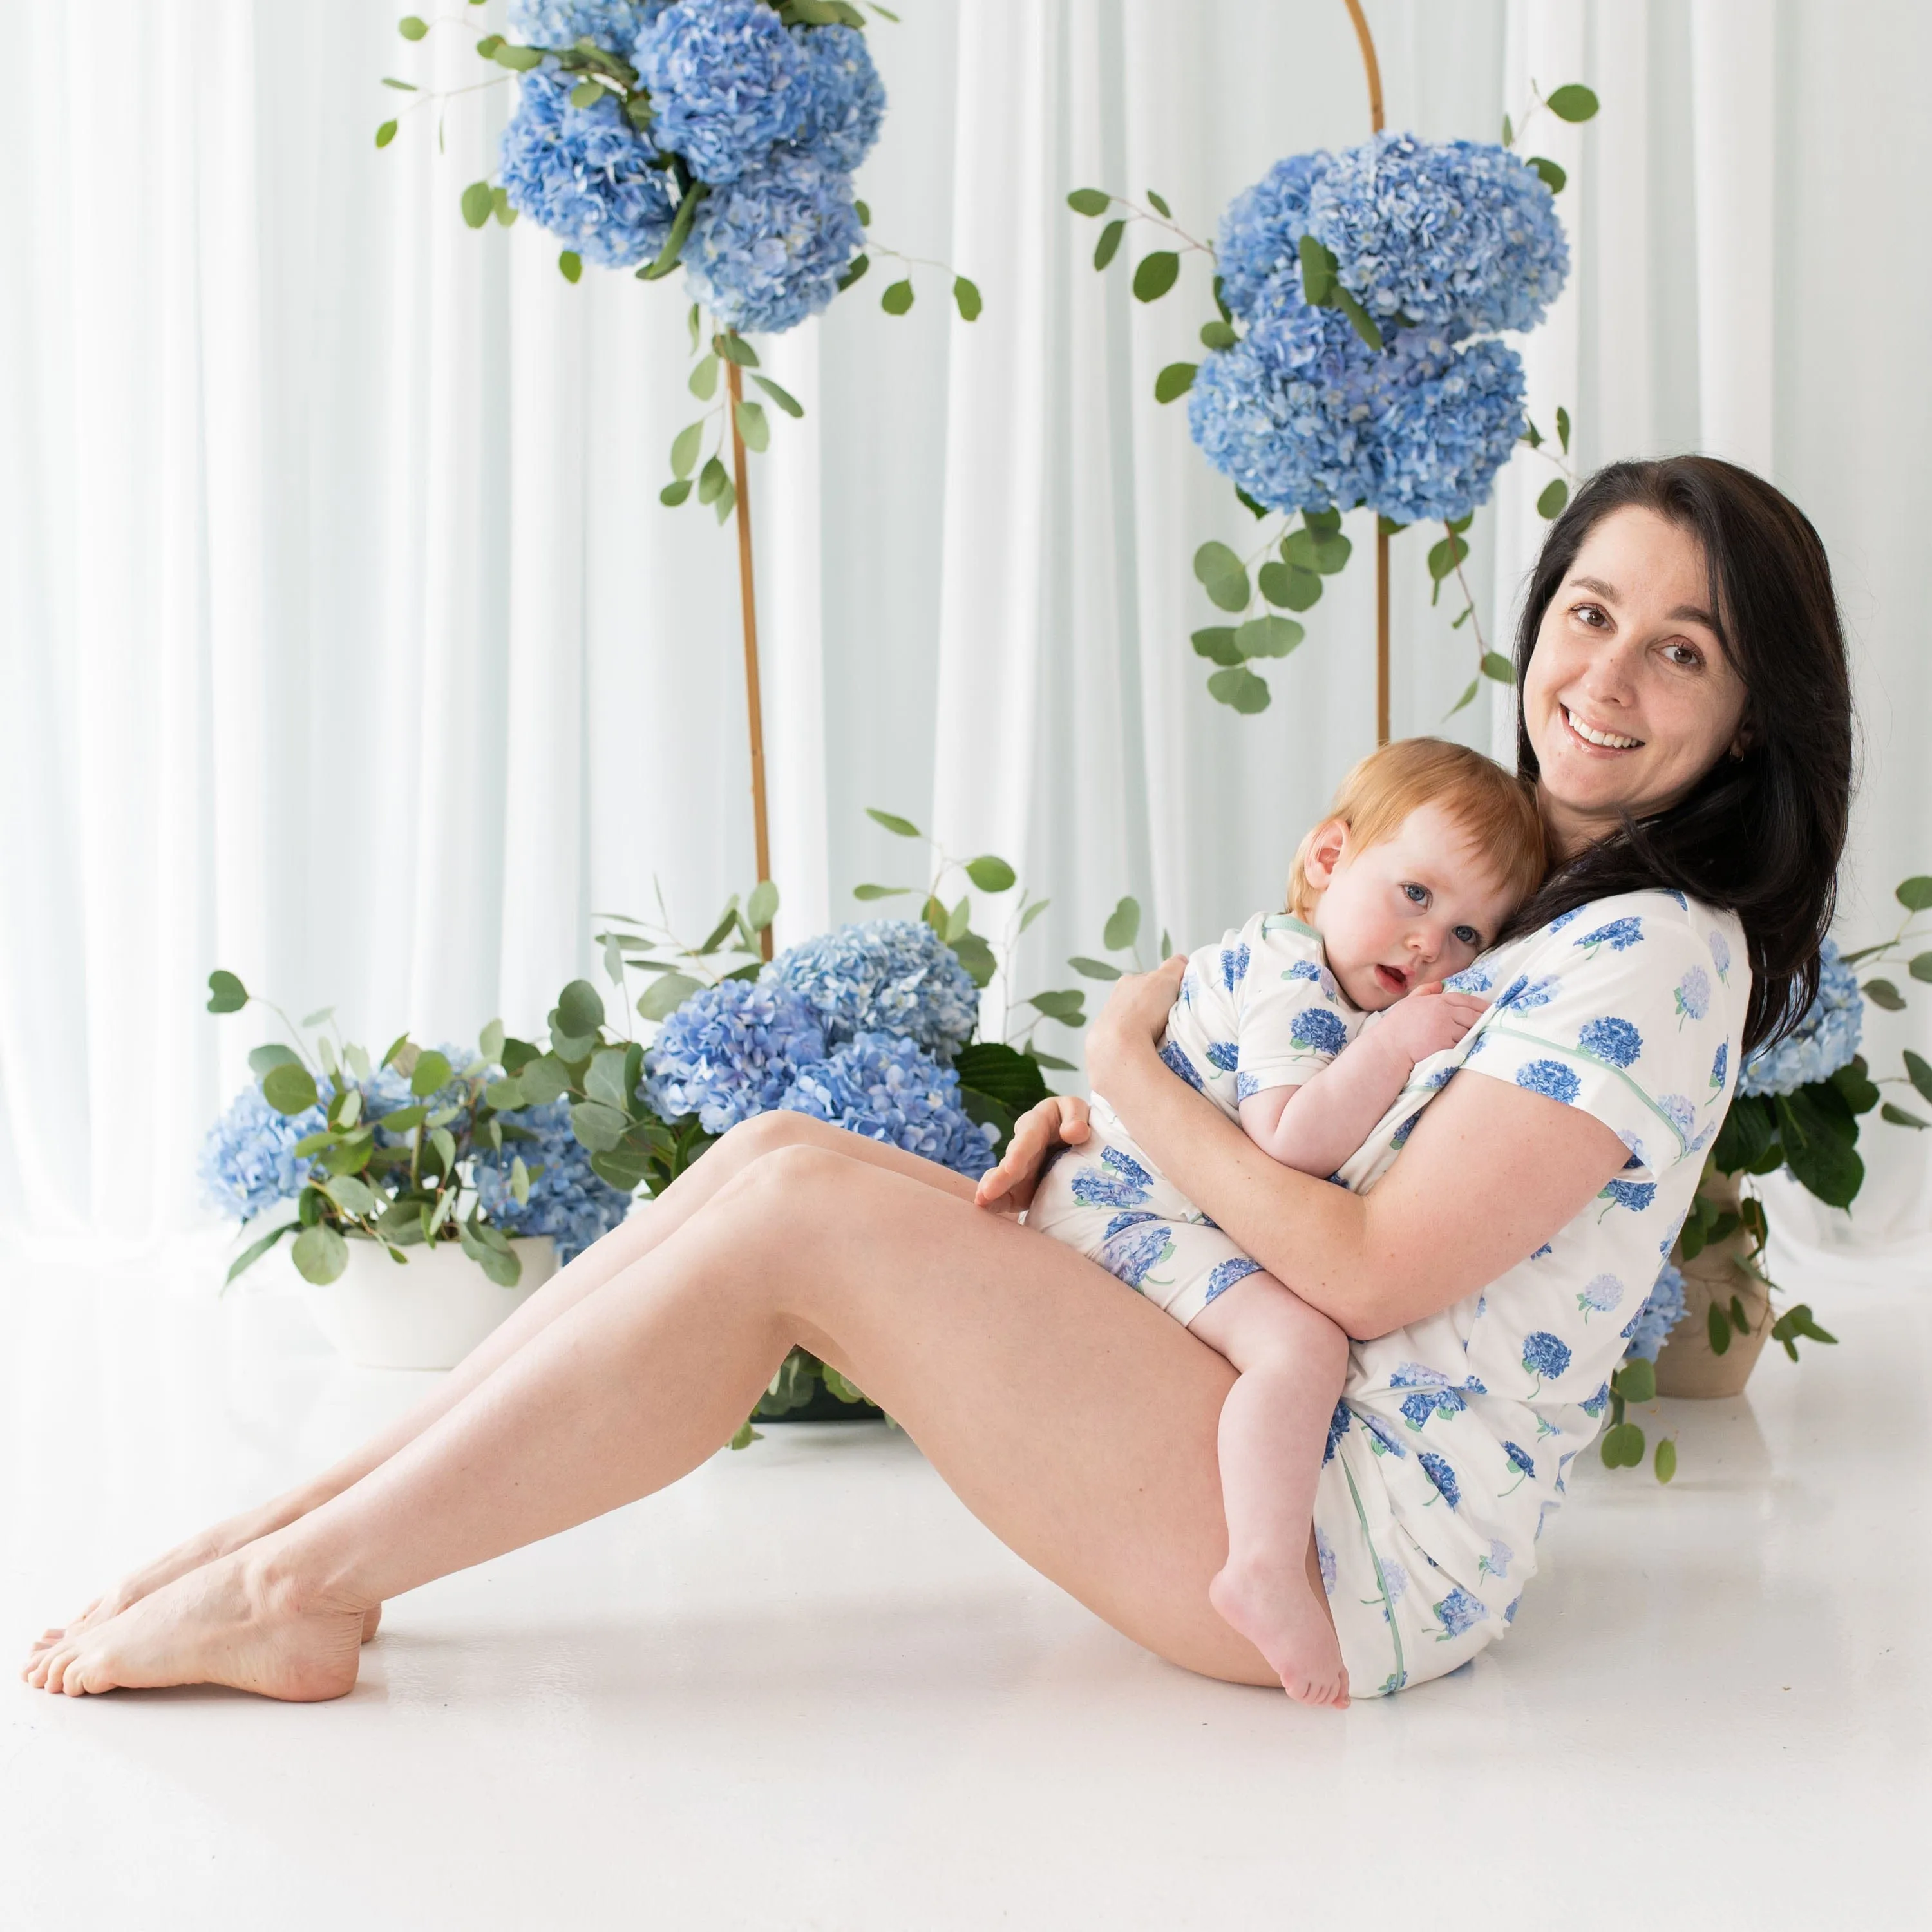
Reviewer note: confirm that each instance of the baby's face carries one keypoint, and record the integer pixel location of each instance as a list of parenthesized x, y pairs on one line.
[(1416, 907)]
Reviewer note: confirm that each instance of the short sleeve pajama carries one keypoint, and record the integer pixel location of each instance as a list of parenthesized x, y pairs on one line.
[(1259, 1010)]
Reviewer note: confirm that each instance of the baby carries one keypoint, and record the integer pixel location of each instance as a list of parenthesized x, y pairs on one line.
[(1427, 850)]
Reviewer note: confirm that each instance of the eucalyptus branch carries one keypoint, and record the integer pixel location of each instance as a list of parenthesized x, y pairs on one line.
[(1137, 213)]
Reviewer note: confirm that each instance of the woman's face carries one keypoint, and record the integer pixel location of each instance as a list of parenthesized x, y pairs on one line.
[(1629, 698)]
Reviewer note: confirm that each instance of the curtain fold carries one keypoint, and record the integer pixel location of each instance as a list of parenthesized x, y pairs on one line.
[(347, 645)]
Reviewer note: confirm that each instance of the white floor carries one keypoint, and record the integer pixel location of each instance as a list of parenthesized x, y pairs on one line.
[(805, 1689)]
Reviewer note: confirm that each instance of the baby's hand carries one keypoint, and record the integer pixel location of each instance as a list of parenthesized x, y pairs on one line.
[(1428, 1020)]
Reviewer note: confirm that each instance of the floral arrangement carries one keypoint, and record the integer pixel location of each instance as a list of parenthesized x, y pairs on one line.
[(1797, 1107), (1354, 362), (720, 135), (408, 1149)]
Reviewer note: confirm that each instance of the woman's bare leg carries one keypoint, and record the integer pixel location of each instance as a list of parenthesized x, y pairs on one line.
[(598, 1263), (1077, 1422)]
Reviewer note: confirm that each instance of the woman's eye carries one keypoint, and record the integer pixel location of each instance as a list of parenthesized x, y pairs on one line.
[(1469, 936), (1591, 614), (1682, 654), (1417, 895)]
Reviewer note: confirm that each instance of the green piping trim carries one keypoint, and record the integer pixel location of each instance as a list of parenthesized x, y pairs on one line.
[(1381, 1582)]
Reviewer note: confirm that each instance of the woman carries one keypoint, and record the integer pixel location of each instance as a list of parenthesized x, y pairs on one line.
[(1686, 715)]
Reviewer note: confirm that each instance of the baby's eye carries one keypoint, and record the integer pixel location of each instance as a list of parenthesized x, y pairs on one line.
[(1469, 937), (1417, 895)]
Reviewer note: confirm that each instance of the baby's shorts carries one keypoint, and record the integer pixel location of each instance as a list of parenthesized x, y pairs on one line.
[(1106, 1198)]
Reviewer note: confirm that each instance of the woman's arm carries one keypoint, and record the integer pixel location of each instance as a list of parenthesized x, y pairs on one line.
[(1490, 1174)]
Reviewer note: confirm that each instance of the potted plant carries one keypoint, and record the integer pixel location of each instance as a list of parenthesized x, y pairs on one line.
[(402, 1163)]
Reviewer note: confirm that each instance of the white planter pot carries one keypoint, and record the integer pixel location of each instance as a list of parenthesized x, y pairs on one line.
[(428, 1314)]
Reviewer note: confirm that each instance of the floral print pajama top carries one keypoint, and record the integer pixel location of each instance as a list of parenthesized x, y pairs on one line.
[(1449, 1449)]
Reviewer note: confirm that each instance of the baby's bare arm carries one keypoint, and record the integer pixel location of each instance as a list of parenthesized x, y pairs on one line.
[(1314, 1127)]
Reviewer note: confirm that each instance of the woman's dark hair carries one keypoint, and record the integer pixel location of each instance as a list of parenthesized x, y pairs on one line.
[(1760, 834)]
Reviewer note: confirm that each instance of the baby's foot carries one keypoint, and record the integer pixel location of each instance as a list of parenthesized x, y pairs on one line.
[(224, 1624), (1277, 1610)]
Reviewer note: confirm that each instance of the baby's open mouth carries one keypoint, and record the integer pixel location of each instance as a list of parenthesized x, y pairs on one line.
[(1391, 979), (1604, 741)]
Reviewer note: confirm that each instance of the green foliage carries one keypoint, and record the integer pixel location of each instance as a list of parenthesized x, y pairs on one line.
[(1573, 102), (1174, 381), (1089, 201), (897, 299), (1553, 177), (1155, 275), (967, 298)]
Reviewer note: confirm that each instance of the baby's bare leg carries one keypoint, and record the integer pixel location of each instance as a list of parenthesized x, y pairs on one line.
[(1273, 1427)]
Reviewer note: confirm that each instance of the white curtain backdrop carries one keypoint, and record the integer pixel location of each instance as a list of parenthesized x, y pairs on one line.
[(347, 646)]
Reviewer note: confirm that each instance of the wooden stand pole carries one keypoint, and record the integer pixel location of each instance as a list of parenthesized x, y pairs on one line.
[(1374, 76), (748, 602)]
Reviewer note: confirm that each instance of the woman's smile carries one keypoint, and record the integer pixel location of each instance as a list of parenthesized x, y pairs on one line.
[(1599, 737)]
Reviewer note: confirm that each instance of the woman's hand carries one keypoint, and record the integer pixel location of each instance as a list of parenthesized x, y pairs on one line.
[(1060, 1119), (1134, 1017)]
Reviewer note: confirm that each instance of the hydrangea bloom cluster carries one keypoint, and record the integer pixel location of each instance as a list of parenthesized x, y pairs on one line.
[(248, 1161), (885, 975), (881, 1085), (568, 1201), (732, 1051), (1438, 242), (1826, 1038), (585, 173), (1462, 236), (772, 120), (1660, 1314)]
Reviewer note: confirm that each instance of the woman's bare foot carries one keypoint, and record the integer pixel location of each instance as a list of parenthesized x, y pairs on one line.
[(229, 1622), (1277, 1611)]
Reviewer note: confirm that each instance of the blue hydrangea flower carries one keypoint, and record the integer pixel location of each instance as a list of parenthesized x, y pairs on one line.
[(1131, 1254), (1522, 1462), (1471, 979), (1259, 255), (1234, 966), (1678, 1110), (1498, 1561), (1694, 995), (1563, 919), (1509, 1614), (1720, 1063), (1426, 1403), (1662, 1310), (1417, 1374), (1526, 995), (613, 25), (1125, 1220), (1635, 1195), (1177, 1063), (248, 1161), (1619, 935), (882, 1086), (1826, 1039), (1593, 1406), (1125, 1184), (1441, 1475), (1549, 1077), (844, 98), (766, 250), (584, 173), (1224, 1274), (1246, 1086), (1611, 1039), (1545, 1354), (1225, 1055), (1444, 420), (1462, 236), (1599, 1294), (884, 976), (732, 1051), (1319, 1030), (1324, 1550), (1287, 412), (1721, 954), (1384, 1437), (1458, 1612), (567, 1201), (1338, 1427), (726, 81)]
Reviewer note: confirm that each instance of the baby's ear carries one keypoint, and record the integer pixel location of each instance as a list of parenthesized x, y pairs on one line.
[(1326, 844)]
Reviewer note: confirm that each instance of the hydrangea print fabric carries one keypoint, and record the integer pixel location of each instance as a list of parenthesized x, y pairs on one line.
[(1260, 1010), (1456, 1435)]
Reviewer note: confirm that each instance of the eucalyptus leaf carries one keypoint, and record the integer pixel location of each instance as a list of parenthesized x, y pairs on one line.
[(897, 298), (1497, 666), (1033, 912), (977, 957), (272, 1054), (1269, 637), (604, 1079), (880, 891), (684, 447), (783, 397), (255, 1250), (1915, 894), (967, 299), (1223, 575), (430, 1072), (1089, 201), (1919, 1073), (673, 493), (1175, 380), (1550, 503), (752, 425), (903, 828), (1093, 969), (762, 906), (1155, 275), (320, 1254), (570, 266), (1900, 1117), (1666, 1464), (386, 132), (1217, 643), (1468, 698), (543, 1080), (1218, 334), (1574, 102), (1108, 245), (1553, 177), (597, 1127), (665, 994), (1239, 688), (226, 994), (991, 875), (478, 203), (289, 1088), (1123, 927)]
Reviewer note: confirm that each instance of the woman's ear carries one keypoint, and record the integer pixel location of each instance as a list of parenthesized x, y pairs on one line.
[(1327, 845)]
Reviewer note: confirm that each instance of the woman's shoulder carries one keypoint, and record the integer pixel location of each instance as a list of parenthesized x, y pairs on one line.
[(1639, 935)]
